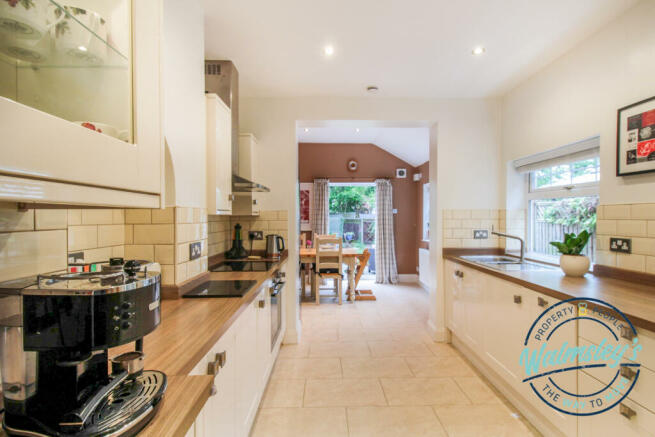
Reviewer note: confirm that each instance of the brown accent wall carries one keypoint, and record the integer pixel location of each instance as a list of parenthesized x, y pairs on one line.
[(330, 160), (424, 169)]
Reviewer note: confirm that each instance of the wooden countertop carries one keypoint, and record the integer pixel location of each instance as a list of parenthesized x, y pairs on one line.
[(188, 330), (635, 300), (184, 398), (190, 327)]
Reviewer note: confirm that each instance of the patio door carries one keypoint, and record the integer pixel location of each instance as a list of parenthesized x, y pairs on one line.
[(353, 216)]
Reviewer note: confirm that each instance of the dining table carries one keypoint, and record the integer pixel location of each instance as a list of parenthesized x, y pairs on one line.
[(349, 257)]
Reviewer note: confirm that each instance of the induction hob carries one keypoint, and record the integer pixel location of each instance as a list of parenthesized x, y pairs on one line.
[(221, 289), (242, 266)]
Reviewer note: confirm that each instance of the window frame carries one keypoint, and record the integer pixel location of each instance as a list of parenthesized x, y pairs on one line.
[(586, 189)]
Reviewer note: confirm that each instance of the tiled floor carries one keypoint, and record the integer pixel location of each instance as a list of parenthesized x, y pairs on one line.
[(371, 369)]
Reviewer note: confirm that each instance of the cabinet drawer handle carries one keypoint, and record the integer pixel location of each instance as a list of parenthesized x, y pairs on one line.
[(221, 357), (518, 298), (628, 373), (213, 390), (262, 304), (542, 302), (231, 197), (626, 411), (213, 367), (627, 333), (459, 273)]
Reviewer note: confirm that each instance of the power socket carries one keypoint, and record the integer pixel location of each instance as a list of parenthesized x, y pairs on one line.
[(480, 234), (255, 235), (621, 245), (195, 249)]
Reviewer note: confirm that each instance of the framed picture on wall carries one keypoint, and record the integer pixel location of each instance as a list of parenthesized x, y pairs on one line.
[(635, 138), (306, 191)]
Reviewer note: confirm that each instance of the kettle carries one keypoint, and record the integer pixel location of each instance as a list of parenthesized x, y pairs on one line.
[(274, 246)]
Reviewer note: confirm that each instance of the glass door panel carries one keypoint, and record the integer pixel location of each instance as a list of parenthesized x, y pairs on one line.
[(71, 59)]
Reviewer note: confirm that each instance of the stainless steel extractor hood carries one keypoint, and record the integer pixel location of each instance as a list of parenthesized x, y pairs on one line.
[(222, 78)]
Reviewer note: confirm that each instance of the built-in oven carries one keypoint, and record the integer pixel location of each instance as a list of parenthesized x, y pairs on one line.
[(275, 290)]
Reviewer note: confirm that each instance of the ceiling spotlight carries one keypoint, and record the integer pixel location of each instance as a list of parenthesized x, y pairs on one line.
[(82, 48), (477, 51), (372, 89), (357, 130), (306, 129), (328, 50)]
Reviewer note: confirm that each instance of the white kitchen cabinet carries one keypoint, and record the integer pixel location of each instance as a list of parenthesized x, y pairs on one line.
[(114, 84), (264, 333), (454, 298), (507, 319), (629, 419), (247, 203), (247, 370), (219, 156), (492, 317), (217, 418)]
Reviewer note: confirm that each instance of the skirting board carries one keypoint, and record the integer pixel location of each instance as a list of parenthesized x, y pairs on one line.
[(408, 278)]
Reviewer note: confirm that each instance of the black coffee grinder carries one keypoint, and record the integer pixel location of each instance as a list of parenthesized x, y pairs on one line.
[(55, 332)]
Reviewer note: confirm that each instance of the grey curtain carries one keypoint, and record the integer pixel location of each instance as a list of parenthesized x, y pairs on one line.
[(321, 207), (386, 270)]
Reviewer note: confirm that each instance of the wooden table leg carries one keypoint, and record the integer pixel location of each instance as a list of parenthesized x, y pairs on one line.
[(312, 280)]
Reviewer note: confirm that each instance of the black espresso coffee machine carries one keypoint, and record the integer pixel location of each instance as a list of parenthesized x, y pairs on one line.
[(55, 332)]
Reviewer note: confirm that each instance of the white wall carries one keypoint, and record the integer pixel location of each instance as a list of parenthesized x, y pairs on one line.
[(184, 103), (464, 159), (578, 95)]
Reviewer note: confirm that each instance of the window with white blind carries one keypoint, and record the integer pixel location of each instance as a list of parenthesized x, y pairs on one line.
[(562, 196)]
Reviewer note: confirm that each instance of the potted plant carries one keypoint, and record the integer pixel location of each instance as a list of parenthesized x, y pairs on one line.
[(571, 261)]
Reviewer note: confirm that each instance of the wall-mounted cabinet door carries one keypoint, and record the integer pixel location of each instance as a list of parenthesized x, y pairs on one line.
[(80, 96), (219, 156)]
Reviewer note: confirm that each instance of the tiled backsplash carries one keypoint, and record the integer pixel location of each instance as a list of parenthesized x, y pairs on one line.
[(459, 224), (38, 240), (636, 221), (269, 222), (164, 235)]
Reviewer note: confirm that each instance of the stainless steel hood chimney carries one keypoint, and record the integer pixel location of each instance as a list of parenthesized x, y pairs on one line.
[(222, 78)]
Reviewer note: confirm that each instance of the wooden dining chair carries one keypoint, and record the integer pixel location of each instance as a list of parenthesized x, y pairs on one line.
[(329, 263)]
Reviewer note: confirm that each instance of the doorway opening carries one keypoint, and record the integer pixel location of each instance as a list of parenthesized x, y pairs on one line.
[(353, 217)]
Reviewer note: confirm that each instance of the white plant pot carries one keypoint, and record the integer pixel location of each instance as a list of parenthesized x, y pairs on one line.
[(574, 265)]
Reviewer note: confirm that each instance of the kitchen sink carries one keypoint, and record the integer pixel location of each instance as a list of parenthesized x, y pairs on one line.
[(507, 263), (492, 259)]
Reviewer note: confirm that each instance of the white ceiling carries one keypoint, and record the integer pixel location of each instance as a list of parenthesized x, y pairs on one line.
[(410, 48), (411, 144)]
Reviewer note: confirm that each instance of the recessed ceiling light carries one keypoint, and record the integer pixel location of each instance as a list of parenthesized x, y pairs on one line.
[(372, 89), (306, 129), (357, 130), (478, 50), (328, 50), (82, 48)]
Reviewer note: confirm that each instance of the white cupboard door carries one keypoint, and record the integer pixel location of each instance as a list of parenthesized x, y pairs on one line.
[(219, 156), (628, 419), (263, 334), (508, 317), (38, 145), (473, 288), (247, 377), (220, 409), (566, 333), (454, 284)]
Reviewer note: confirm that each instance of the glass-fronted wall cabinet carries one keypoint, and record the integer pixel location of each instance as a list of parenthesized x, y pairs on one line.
[(79, 92)]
